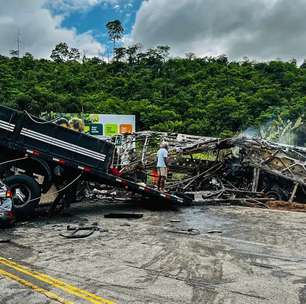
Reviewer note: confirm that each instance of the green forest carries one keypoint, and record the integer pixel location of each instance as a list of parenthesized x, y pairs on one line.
[(208, 96)]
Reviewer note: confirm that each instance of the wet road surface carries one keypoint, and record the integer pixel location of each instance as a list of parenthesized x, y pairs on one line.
[(237, 255)]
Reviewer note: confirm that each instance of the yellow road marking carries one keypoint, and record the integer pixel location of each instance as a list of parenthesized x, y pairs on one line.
[(45, 292), (90, 297)]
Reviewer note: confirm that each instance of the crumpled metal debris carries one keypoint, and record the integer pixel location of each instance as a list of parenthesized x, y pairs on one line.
[(241, 171)]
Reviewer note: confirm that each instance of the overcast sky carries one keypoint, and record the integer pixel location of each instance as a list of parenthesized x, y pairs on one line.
[(258, 29)]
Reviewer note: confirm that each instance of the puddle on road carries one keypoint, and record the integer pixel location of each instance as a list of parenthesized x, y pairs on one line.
[(205, 219)]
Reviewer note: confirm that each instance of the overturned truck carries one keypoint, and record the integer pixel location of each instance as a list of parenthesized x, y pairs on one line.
[(36, 156)]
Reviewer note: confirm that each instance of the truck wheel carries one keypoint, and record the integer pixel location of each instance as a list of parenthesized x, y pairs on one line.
[(26, 194)]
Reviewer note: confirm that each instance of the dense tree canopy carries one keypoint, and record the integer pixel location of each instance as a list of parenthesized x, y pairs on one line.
[(207, 96)]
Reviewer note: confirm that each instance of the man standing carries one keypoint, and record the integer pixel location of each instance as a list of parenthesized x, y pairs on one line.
[(162, 162)]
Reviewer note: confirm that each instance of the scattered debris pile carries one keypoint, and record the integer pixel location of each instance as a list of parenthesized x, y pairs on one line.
[(252, 172)]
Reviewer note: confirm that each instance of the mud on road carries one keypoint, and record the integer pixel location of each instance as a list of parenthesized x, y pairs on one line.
[(238, 255)]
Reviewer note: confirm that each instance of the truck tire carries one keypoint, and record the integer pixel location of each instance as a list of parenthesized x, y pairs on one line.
[(26, 194)]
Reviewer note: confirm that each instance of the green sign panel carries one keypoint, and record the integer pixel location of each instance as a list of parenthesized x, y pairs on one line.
[(110, 129)]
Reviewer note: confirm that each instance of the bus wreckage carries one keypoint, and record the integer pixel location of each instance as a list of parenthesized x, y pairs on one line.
[(239, 170), (39, 160)]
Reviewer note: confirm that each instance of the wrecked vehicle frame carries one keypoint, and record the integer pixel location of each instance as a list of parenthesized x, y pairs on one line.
[(239, 170)]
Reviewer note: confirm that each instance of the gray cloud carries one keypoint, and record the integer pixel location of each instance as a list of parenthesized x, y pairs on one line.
[(39, 30), (259, 29)]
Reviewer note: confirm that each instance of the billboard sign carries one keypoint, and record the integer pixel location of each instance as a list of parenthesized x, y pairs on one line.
[(98, 125)]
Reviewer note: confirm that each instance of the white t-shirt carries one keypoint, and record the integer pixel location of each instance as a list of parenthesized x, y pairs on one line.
[(161, 154)]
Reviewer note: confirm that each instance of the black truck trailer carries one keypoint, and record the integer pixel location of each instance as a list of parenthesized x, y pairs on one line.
[(30, 146)]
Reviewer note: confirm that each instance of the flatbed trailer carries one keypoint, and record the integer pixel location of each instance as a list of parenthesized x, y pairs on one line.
[(60, 156)]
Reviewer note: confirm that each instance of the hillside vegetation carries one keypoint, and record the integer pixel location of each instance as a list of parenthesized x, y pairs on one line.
[(206, 96)]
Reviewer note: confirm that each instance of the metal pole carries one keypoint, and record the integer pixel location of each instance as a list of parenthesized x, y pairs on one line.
[(293, 192)]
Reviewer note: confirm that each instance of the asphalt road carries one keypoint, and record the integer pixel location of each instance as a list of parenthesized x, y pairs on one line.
[(234, 255)]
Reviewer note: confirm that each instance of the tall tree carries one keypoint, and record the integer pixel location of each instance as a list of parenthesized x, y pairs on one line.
[(119, 53), (74, 54), (163, 51), (62, 53), (132, 51), (190, 55), (115, 31)]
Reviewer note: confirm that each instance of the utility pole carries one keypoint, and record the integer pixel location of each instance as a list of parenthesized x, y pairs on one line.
[(16, 52), (18, 43)]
